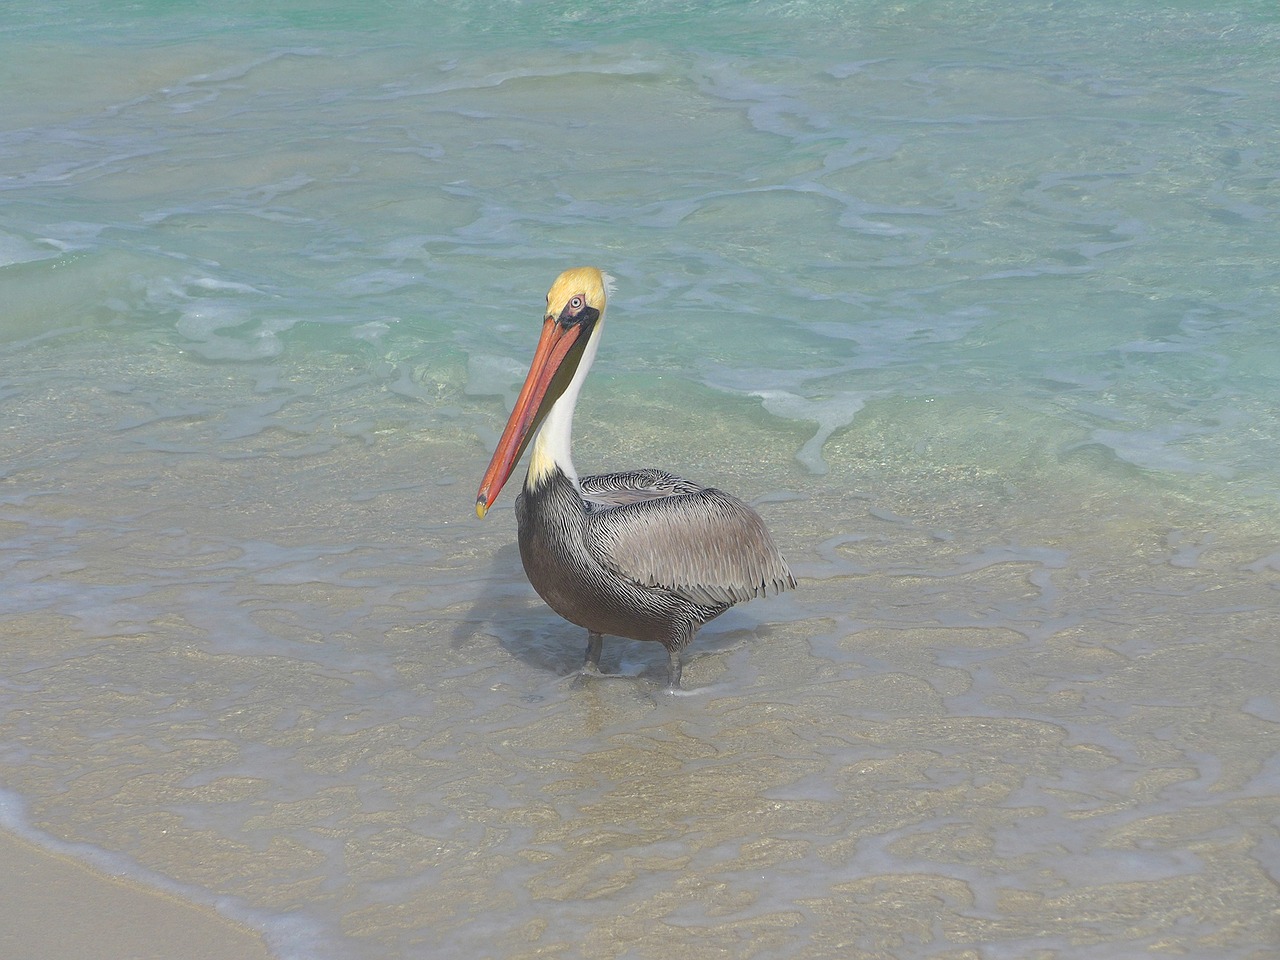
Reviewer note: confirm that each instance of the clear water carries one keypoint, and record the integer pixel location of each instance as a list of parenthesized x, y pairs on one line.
[(976, 301)]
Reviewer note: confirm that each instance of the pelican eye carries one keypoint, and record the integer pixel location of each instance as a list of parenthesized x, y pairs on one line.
[(576, 304)]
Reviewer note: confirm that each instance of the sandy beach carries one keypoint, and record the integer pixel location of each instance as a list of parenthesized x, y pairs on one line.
[(54, 908)]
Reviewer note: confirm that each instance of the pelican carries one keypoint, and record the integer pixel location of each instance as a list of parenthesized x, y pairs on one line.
[(644, 555)]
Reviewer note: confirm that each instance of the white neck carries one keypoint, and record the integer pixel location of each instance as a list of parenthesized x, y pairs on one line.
[(552, 446)]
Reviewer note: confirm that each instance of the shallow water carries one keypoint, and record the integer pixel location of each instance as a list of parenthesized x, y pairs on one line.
[(974, 301)]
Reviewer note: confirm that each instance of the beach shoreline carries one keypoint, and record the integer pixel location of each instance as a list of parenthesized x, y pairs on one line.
[(53, 907)]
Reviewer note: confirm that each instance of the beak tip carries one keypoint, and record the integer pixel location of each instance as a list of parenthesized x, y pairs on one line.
[(481, 508)]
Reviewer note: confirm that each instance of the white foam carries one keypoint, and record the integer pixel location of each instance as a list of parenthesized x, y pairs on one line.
[(15, 250)]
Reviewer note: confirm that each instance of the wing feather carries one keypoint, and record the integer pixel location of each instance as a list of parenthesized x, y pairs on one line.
[(615, 489), (657, 529)]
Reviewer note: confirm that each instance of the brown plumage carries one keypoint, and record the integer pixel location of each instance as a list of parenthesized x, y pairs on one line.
[(645, 554)]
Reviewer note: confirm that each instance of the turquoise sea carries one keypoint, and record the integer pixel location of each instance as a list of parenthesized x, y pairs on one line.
[(976, 301)]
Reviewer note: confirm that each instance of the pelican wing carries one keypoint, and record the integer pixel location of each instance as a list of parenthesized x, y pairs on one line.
[(658, 530), (608, 490)]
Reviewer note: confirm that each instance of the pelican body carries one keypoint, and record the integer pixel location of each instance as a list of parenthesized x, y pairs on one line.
[(644, 555)]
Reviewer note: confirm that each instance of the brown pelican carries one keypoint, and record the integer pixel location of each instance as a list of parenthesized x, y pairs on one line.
[(645, 554)]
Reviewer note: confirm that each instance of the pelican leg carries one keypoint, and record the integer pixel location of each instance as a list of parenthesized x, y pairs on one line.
[(674, 668), (674, 645), (595, 643)]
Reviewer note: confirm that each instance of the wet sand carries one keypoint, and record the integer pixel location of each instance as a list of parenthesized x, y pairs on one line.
[(54, 908)]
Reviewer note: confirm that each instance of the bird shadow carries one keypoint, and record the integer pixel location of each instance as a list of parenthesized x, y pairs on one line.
[(508, 611)]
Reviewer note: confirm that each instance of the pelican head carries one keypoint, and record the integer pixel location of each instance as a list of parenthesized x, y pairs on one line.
[(575, 306)]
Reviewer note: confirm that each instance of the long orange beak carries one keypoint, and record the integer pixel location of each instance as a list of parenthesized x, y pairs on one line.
[(549, 374)]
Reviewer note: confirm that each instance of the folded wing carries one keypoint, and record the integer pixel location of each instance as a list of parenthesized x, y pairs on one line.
[(659, 530)]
